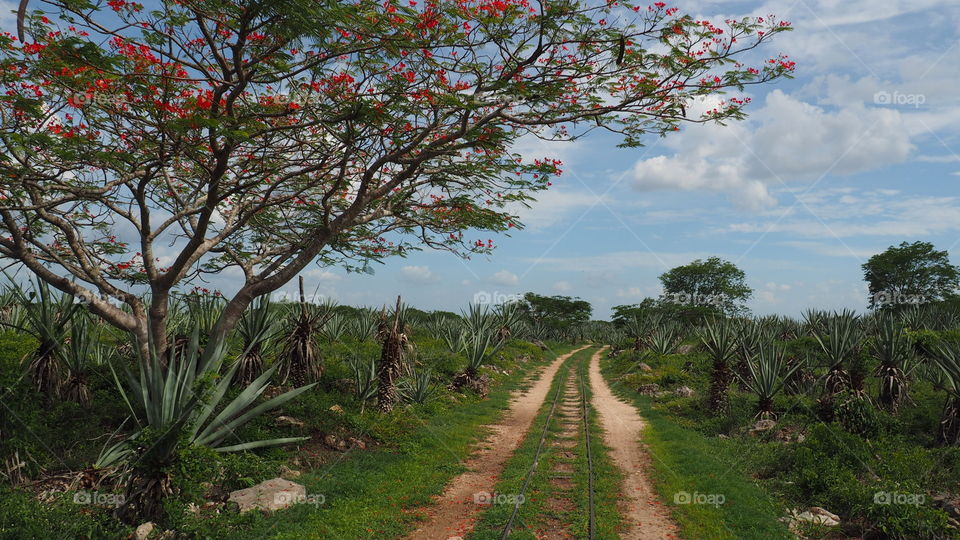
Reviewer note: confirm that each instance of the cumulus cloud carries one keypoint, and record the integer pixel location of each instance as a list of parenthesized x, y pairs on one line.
[(505, 277), (417, 274), (787, 140)]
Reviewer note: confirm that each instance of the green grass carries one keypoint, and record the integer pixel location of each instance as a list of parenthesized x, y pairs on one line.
[(375, 493), (686, 461)]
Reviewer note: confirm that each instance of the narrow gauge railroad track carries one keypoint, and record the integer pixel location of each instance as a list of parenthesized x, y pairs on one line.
[(573, 390)]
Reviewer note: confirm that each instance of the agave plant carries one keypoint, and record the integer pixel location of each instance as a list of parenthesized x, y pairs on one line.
[(947, 358), (337, 326), (637, 328), (943, 318), (751, 335), (204, 310), (664, 338), (507, 316), (768, 371), (418, 388), (839, 340), (182, 402), (82, 351), (895, 354), (718, 338), (452, 336), (478, 348), (363, 326), (814, 321), (783, 328), (802, 379), (914, 317), (478, 319), (299, 358), (365, 380), (258, 327), (47, 316)]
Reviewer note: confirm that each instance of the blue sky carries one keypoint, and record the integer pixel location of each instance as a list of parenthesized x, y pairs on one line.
[(860, 151)]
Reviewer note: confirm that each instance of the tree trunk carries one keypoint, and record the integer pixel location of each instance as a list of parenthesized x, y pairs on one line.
[(157, 322), (719, 384)]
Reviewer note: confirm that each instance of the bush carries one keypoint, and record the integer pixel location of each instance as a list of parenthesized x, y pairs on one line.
[(14, 346)]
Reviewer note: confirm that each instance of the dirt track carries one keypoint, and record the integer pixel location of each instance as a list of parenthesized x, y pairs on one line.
[(455, 511), (645, 515)]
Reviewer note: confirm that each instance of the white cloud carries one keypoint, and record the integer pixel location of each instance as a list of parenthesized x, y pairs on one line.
[(787, 140), (556, 205), (417, 274), (322, 275), (840, 214), (562, 286), (620, 260), (505, 277)]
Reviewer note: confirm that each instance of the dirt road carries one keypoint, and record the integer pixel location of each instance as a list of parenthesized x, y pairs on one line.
[(646, 517)]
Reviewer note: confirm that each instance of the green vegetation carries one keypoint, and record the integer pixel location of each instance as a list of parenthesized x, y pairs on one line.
[(686, 462), (798, 427), (168, 439)]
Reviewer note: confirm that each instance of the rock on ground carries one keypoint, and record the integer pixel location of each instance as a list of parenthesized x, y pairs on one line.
[(144, 531), (270, 495)]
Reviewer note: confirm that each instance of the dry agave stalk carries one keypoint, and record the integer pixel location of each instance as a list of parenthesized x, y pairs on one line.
[(393, 338), (13, 469), (300, 361)]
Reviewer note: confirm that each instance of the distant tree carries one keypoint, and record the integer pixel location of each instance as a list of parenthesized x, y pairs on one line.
[(623, 314), (911, 273), (557, 313), (712, 285)]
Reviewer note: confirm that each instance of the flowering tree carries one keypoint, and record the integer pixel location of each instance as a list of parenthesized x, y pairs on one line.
[(145, 146)]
